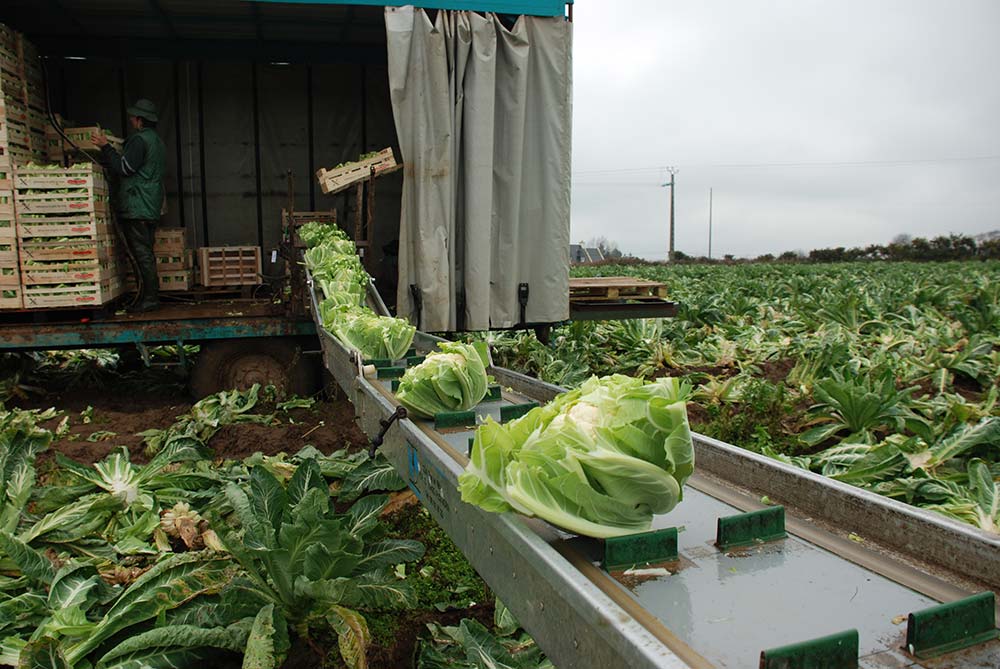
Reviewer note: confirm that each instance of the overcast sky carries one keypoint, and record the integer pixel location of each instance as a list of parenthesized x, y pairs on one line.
[(756, 98)]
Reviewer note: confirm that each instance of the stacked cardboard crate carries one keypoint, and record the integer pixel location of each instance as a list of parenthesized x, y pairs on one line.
[(67, 249)]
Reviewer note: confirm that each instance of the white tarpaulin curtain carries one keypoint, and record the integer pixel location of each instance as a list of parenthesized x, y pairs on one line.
[(483, 115)]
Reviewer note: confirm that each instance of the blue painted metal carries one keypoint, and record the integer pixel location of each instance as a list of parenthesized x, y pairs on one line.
[(529, 7), (99, 335)]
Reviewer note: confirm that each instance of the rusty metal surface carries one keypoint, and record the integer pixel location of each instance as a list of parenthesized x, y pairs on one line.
[(218, 319)]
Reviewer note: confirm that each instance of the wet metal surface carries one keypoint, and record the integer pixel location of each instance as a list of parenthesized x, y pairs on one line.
[(730, 606)]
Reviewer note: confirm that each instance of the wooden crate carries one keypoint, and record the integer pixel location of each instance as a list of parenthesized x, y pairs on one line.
[(61, 273), (339, 178), (12, 87), (176, 281), (58, 149), (8, 251), (63, 250), (169, 240), (80, 200), (23, 134), (8, 37), (89, 294), (88, 176), (10, 274), (21, 156), (10, 63), (86, 225), (10, 297), (292, 221), (175, 261), (609, 288), (169, 281), (8, 228), (229, 265)]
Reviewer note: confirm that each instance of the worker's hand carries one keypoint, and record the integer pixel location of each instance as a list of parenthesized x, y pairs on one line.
[(99, 139)]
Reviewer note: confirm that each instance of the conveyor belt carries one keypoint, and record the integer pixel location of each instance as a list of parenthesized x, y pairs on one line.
[(712, 607)]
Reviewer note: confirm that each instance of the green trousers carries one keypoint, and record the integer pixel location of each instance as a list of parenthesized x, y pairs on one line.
[(139, 235)]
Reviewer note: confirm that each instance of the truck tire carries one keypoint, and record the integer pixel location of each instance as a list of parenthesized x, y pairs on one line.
[(239, 363)]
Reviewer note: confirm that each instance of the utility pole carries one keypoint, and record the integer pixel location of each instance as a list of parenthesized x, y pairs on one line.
[(709, 223), (670, 250)]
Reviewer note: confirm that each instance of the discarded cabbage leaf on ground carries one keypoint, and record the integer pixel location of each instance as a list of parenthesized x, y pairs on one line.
[(598, 461), (452, 379)]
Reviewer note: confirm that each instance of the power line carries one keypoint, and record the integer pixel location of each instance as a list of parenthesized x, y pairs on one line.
[(841, 163)]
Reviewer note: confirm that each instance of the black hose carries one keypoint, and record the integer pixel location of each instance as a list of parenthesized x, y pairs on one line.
[(111, 210)]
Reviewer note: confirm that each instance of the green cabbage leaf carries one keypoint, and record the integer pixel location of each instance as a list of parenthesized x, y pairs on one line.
[(452, 379), (599, 461)]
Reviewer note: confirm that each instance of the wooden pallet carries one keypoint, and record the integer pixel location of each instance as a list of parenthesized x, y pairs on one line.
[(78, 295), (338, 178), (86, 225), (610, 288), (229, 265)]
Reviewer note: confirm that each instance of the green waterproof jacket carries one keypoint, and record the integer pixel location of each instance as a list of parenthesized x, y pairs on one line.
[(141, 166)]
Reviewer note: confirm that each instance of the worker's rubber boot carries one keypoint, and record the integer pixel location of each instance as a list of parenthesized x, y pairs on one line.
[(139, 235)]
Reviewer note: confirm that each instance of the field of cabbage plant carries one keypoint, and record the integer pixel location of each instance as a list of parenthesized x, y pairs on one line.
[(155, 550), (882, 375)]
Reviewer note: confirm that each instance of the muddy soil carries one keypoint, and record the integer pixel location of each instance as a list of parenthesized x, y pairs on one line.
[(118, 415), (129, 408)]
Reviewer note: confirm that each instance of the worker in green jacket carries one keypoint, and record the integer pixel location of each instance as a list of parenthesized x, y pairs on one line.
[(140, 167)]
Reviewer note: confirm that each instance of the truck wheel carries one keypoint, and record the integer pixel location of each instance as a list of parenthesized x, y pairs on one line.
[(240, 363)]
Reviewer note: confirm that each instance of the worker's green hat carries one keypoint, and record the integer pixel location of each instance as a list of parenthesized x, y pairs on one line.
[(144, 109)]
